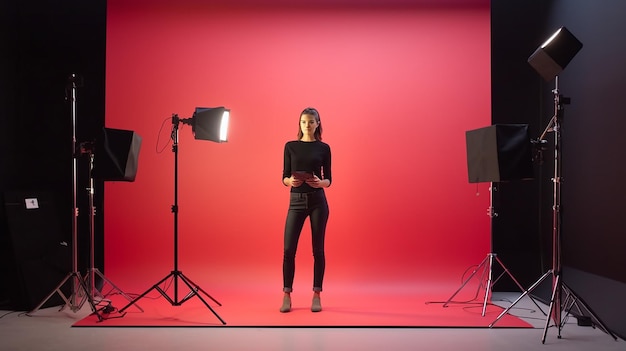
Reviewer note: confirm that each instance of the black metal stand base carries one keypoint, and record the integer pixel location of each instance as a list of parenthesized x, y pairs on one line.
[(193, 287)]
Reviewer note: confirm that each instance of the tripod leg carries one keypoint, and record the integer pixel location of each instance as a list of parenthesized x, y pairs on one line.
[(92, 304), (155, 286), (57, 289), (578, 302), (77, 285), (194, 288), (526, 292), (555, 292), (481, 265), (489, 282), (506, 270), (197, 287), (115, 288)]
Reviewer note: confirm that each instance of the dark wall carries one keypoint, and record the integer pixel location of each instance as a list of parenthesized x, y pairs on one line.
[(516, 98), (43, 43), (591, 147), (8, 97), (593, 141)]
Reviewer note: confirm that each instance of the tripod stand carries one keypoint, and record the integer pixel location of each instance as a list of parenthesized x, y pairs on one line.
[(487, 266), (93, 271), (559, 307), (176, 274), (79, 293)]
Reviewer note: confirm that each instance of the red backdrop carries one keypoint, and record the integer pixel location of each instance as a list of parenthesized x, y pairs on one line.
[(396, 87)]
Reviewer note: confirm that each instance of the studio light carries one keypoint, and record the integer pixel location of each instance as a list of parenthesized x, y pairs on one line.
[(497, 153), (117, 155), (113, 156), (549, 60), (209, 123), (555, 54)]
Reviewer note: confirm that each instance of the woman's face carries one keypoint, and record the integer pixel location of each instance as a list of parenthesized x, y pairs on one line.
[(308, 124)]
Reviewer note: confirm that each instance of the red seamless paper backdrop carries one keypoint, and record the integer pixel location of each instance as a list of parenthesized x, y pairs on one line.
[(396, 87)]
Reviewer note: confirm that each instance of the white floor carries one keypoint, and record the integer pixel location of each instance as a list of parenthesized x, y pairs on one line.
[(50, 330)]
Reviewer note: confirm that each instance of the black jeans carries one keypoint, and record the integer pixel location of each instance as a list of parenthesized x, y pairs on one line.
[(301, 206)]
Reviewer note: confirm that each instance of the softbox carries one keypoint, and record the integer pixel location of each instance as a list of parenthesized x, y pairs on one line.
[(116, 154), (210, 123), (501, 152), (555, 54)]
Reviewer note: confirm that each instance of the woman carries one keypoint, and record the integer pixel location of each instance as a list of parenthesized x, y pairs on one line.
[(307, 171)]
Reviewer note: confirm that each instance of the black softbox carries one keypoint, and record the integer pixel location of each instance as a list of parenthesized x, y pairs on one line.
[(501, 152), (555, 54), (116, 154)]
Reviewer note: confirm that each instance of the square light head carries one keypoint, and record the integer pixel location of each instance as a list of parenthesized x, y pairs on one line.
[(555, 54), (211, 123)]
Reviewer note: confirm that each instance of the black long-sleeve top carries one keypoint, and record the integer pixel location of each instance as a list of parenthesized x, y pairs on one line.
[(309, 156)]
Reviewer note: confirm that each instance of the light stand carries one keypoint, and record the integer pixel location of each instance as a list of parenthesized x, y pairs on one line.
[(79, 292), (203, 129), (93, 271), (549, 60), (558, 304), (487, 265), (496, 153)]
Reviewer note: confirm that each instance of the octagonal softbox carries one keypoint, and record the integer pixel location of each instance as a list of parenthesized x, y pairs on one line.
[(116, 155), (501, 152)]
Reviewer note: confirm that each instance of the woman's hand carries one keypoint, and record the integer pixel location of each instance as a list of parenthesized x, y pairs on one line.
[(295, 182), (315, 182)]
